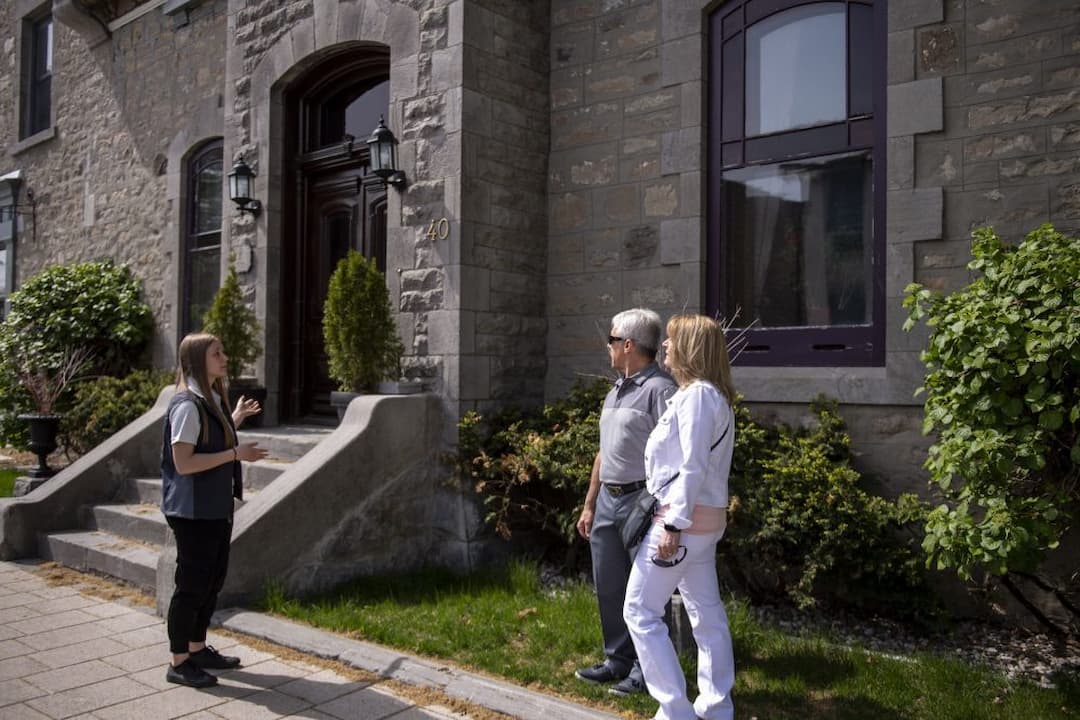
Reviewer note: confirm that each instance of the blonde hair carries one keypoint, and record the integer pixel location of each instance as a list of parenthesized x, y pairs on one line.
[(192, 357), (697, 350)]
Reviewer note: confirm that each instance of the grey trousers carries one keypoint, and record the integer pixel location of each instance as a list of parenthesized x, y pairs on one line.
[(611, 564)]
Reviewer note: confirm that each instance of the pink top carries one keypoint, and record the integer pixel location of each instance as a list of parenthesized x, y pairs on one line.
[(704, 519)]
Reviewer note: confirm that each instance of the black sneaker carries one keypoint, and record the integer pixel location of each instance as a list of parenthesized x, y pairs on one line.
[(628, 686), (602, 673), (190, 675), (210, 659)]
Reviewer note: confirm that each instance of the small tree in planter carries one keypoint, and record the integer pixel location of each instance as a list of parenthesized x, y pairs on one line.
[(233, 322), (358, 328)]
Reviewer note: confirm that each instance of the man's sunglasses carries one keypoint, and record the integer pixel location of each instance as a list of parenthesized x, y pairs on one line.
[(614, 339), (679, 557)]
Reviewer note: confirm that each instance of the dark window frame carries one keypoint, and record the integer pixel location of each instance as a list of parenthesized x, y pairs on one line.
[(35, 76), (729, 148), (206, 155)]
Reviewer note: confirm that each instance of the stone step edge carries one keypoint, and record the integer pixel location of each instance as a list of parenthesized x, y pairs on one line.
[(386, 662), (120, 553)]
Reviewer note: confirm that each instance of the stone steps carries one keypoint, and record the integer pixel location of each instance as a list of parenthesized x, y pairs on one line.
[(124, 540)]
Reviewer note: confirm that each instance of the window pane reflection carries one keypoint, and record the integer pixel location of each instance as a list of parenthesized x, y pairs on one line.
[(355, 111), (795, 69), (205, 274), (208, 199), (800, 250)]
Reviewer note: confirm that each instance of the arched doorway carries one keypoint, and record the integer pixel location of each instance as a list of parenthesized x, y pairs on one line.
[(331, 204)]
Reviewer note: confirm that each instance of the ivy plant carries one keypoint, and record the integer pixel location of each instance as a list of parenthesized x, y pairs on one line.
[(1003, 361)]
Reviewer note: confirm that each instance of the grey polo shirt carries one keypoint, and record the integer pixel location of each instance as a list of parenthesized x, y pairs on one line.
[(631, 410)]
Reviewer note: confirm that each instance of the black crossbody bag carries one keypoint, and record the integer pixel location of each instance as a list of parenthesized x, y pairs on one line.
[(642, 511)]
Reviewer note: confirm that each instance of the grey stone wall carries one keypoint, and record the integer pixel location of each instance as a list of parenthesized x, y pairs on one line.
[(501, 276), (625, 181), (99, 182)]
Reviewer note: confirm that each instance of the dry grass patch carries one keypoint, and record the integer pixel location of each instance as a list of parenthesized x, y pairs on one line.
[(94, 585)]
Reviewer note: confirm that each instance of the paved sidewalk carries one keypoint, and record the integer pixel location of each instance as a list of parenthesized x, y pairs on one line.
[(64, 654)]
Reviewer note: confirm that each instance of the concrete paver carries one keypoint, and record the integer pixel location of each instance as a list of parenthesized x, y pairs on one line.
[(66, 656)]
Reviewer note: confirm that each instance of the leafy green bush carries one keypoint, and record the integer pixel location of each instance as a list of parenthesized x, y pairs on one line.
[(531, 467), (93, 305), (361, 338), (1002, 394), (105, 404), (233, 322), (801, 526)]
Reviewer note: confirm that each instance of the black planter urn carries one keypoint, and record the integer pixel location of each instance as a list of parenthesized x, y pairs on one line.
[(43, 431)]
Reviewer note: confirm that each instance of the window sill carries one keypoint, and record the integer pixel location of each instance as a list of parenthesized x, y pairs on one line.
[(32, 141), (891, 385)]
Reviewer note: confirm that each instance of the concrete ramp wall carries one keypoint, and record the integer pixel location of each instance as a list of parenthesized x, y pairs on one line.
[(372, 497)]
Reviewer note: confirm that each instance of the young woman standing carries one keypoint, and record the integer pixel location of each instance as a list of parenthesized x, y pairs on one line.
[(201, 473), (687, 459)]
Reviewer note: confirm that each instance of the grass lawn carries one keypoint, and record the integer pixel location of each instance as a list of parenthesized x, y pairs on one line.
[(504, 624), (7, 480)]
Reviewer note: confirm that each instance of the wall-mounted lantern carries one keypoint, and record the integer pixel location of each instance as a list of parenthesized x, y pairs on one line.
[(241, 187), (383, 147)]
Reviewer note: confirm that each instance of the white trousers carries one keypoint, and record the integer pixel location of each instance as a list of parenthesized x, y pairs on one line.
[(647, 593)]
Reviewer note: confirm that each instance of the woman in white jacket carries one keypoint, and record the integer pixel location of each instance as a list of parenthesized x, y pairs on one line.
[(687, 459)]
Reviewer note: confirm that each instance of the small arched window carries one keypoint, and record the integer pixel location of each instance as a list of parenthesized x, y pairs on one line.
[(202, 236), (796, 173)]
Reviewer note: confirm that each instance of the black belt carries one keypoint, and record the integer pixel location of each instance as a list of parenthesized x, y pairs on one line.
[(620, 489)]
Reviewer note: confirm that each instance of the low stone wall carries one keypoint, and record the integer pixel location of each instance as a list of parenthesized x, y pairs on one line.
[(370, 498), (96, 477)]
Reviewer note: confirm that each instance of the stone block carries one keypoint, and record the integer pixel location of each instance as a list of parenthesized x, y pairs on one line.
[(1012, 211), (570, 211), (570, 11), (652, 101), (692, 115), (680, 150), (403, 30), (679, 18), (566, 254), (1061, 73), (940, 50), (591, 166), (1003, 19), (979, 174), (325, 24), (901, 61), (1005, 145), (600, 122), (1010, 53), (914, 215), (915, 107), (447, 69), (1031, 168), (681, 241), (475, 379), (904, 14), (585, 294), (621, 248), (999, 84), (566, 87), (618, 205), (666, 289), (690, 194), (638, 168), (614, 79), (1065, 202), (651, 123), (572, 45), (661, 199), (627, 31), (681, 60), (901, 162), (899, 267), (938, 162)]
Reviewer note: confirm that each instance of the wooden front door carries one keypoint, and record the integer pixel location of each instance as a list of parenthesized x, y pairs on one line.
[(345, 209)]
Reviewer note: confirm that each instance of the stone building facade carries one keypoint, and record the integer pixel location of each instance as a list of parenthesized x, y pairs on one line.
[(564, 161)]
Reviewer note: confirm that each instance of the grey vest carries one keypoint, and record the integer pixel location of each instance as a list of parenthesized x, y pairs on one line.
[(207, 495)]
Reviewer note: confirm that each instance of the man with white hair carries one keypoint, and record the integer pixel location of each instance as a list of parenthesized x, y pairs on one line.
[(631, 410)]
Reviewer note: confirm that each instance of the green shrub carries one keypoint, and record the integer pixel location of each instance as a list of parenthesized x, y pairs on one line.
[(93, 305), (233, 322), (105, 404), (531, 467), (801, 528), (1002, 395), (358, 326)]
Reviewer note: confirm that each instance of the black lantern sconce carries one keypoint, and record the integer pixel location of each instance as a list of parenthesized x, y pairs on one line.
[(383, 147), (241, 187)]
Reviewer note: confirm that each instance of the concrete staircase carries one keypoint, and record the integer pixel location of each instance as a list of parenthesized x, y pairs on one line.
[(123, 539)]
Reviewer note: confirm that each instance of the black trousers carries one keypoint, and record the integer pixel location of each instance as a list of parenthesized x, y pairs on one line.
[(202, 560)]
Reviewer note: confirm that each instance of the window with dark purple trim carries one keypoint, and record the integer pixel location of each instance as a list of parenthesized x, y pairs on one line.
[(796, 149), (35, 87), (202, 256)]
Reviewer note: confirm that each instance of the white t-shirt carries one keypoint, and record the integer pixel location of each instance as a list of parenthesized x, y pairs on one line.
[(184, 418)]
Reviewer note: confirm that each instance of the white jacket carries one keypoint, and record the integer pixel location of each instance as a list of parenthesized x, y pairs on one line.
[(696, 417)]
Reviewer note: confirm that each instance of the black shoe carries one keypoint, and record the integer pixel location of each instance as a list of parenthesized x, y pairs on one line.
[(191, 675), (628, 686), (210, 659), (602, 673)]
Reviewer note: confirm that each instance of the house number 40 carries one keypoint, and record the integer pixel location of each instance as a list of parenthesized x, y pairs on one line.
[(438, 229)]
